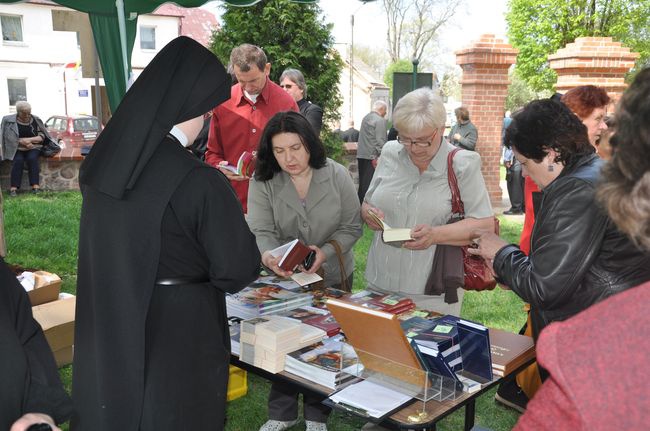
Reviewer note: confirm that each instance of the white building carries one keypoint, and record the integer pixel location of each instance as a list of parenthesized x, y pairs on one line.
[(40, 38)]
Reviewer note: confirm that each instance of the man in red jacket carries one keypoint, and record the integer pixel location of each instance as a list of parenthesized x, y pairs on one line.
[(237, 124)]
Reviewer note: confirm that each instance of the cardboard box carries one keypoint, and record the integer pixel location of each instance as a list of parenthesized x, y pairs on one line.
[(57, 320), (47, 287)]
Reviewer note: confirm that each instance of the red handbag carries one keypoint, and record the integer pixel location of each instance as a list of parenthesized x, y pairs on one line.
[(478, 274)]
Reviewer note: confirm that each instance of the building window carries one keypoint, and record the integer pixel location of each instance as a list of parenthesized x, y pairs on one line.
[(17, 90), (12, 28), (147, 37)]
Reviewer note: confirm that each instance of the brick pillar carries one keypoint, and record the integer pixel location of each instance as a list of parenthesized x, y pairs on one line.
[(593, 61), (485, 65)]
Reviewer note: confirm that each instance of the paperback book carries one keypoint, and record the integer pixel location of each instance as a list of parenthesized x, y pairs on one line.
[(327, 363), (261, 299), (245, 165)]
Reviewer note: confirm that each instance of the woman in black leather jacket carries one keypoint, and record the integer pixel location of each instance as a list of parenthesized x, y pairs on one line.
[(578, 256)]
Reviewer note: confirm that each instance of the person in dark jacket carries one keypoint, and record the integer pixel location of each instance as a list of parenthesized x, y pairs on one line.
[(30, 389), (608, 342), (351, 134), (293, 82), (577, 256), (162, 240)]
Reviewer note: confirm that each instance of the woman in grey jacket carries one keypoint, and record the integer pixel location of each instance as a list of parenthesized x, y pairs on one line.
[(298, 193)]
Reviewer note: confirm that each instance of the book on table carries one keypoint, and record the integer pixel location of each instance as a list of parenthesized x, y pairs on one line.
[(259, 299), (391, 234), (245, 164), (379, 342), (474, 341), (317, 317), (390, 303), (509, 351), (327, 363), (291, 254)]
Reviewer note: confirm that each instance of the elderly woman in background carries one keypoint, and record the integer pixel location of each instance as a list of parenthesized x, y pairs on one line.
[(410, 189), (577, 256), (584, 385), (22, 136), (299, 193), (293, 82)]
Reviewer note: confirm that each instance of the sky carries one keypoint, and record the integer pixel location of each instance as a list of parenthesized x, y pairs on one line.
[(473, 18)]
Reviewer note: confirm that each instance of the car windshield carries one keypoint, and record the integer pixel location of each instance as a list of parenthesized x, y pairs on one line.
[(86, 125)]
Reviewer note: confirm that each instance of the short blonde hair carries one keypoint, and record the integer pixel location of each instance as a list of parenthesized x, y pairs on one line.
[(418, 110)]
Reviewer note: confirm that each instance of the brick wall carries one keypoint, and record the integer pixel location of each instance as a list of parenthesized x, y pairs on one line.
[(593, 61), (485, 65)]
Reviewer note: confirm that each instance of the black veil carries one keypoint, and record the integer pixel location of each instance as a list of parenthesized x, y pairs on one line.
[(194, 81)]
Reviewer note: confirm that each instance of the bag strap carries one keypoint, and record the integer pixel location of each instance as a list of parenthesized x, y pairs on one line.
[(457, 206), (339, 255)]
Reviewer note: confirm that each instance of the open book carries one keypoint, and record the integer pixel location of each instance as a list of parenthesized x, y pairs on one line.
[(245, 164), (291, 254), (391, 234)]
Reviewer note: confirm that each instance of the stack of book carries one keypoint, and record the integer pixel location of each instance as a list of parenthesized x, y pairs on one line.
[(461, 355), (264, 341), (509, 351), (260, 299), (317, 317), (394, 304), (328, 363)]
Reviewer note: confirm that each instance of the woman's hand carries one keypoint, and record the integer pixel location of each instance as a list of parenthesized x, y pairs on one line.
[(30, 419), (271, 262), (318, 261), (423, 237), (487, 245), (366, 208)]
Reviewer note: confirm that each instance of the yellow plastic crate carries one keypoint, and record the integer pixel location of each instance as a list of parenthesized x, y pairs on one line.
[(237, 383)]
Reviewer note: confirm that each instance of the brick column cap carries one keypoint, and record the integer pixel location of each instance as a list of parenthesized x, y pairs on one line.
[(488, 49)]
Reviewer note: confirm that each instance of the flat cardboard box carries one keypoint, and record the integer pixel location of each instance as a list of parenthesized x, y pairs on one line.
[(64, 356), (47, 287), (57, 320)]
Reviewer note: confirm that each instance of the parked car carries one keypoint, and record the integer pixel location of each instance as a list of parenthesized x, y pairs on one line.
[(74, 131)]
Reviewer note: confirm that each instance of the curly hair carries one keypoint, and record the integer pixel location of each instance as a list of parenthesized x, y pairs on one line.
[(625, 190), (287, 122), (584, 99), (544, 125)]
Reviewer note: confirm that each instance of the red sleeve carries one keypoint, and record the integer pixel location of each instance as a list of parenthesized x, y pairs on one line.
[(214, 153)]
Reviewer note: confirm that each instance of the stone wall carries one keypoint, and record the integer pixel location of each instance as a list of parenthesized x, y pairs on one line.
[(57, 173)]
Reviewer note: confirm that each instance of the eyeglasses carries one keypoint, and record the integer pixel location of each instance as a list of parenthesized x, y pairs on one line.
[(421, 144), (287, 86)]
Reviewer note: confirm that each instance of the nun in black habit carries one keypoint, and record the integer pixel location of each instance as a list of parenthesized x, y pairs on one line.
[(162, 239), (30, 389)]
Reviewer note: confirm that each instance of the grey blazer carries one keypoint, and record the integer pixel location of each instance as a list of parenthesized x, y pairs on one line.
[(276, 216), (9, 135)]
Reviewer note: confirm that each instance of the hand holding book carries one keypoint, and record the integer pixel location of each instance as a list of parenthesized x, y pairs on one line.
[(375, 218)]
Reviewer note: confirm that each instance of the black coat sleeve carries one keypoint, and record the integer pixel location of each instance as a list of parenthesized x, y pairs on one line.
[(210, 212), (43, 392), (566, 240)]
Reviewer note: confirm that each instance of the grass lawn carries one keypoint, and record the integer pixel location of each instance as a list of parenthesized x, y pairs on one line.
[(42, 232)]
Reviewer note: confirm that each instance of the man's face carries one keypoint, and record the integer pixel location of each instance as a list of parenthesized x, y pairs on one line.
[(254, 80)]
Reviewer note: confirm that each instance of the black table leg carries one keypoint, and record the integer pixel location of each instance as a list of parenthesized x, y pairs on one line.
[(469, 414)]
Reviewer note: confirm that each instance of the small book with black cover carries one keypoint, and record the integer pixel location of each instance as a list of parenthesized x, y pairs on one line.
[(291, 254)]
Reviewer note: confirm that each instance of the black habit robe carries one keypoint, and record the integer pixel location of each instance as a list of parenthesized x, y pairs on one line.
[(152, 357), (29, 380)]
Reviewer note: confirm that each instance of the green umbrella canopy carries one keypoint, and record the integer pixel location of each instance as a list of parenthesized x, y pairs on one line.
[(114, 24)]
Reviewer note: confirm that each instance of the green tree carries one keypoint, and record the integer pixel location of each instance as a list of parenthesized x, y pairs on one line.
[(539, 28), (520, 93), (292, 35), (402, 65)]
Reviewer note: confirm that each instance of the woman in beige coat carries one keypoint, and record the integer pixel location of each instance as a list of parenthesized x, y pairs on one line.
[(299, 193)]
